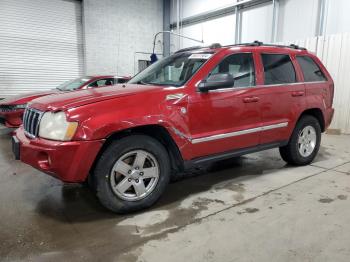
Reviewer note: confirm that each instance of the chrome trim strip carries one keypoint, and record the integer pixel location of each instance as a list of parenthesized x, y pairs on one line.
[(25, 118), (31, 122), (227, 89), (280, 125), (264, 86), (238, 133), (38, 125), (174, 96)]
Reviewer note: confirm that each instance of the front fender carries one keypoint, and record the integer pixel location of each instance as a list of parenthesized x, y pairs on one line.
[(101, 120)]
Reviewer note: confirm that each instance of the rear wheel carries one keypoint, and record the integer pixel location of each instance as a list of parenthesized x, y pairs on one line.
[(304, 143), (132, 173)]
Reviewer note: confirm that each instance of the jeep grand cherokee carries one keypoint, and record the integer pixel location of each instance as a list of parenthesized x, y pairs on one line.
[(195, 106)]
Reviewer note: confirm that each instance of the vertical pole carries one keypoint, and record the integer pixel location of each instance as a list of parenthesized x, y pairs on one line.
[(321, 26), (178, 22), (166, 27), (238, 25), (275, 17)]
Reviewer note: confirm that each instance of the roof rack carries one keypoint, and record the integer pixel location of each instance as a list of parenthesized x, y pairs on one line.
[(215, 45), (212, 46), (255, 43), (297, 47), (258, 43), (188, 49)]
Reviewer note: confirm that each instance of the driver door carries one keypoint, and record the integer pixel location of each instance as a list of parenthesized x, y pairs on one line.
[(227, 118)]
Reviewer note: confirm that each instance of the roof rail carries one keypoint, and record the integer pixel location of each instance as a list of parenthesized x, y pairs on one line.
[(212, 46), (297, 47), (215, 45), (188, 49), (258, 43), (255, 43)]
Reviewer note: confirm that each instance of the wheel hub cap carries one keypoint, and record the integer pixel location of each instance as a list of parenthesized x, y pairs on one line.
[(307, 141), (134, 175)]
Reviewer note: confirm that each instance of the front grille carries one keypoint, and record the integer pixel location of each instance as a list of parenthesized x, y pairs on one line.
[(6, 108), (31, 121)]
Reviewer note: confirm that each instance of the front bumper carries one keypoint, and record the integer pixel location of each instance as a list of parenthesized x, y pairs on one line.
[(67, 161), (12, 119)]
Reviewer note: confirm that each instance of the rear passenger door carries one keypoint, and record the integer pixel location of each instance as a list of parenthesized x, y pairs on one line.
[(282, 96)]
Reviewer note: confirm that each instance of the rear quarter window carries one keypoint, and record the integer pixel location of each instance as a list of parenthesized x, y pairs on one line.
[(312, 72), (278, 69)]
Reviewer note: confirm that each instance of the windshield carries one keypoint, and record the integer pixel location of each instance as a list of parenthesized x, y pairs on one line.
[(174, 70), (73, 84)]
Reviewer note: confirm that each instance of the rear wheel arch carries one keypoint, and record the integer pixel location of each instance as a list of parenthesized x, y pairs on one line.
[(318, 114), (304, 142)]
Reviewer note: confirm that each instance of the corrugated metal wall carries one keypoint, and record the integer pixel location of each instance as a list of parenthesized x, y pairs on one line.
[(334, 51), (41, 44)]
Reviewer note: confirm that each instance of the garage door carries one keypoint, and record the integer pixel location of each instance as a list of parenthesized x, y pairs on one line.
[(41, 44)]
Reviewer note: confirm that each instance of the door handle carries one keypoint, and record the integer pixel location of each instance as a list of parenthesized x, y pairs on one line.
[(298, 93), (253, 99)]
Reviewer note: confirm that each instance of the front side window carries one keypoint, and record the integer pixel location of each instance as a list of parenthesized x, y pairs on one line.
[(102, 82), (73, 84), (278, 69), (174, 70), (311, 71), (240, 66)]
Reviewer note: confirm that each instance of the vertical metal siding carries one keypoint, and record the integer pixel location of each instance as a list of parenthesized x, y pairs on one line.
[(41, 44), (334, 51)]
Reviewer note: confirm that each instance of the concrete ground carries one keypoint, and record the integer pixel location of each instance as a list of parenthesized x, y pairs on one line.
[(253, 208)]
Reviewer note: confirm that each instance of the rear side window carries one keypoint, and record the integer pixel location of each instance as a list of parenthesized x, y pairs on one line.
[(278, 69), (240, 66), (311, 71)]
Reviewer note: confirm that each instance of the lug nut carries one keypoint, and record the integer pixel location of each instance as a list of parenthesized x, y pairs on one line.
[(141, 173), (137, 168), (136, 180), (129, 172), (129, 179)]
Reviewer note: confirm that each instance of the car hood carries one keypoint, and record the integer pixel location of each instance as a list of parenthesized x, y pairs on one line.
[(83, 97), (27, 97)]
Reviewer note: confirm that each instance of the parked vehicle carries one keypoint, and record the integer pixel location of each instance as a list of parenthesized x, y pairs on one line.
[(195, 106), (12, 108)]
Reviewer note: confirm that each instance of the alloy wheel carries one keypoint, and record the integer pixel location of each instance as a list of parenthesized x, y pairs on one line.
[(307, 141), (134, 175)]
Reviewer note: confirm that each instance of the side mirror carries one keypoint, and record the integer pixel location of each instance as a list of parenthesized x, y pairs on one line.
[(216, 81)]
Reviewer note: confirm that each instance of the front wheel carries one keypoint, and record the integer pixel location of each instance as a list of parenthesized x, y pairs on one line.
[(304, 143), (132, 173)]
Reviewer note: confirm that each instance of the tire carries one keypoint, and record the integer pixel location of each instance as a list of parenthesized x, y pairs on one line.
[(123, 183), (296, 152), (90, 183)]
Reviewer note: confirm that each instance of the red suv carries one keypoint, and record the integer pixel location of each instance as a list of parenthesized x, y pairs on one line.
[(12, 108), (195, 106)]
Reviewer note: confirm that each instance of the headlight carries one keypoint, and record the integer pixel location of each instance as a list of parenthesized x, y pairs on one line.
[(22, 106), (55, 126)]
